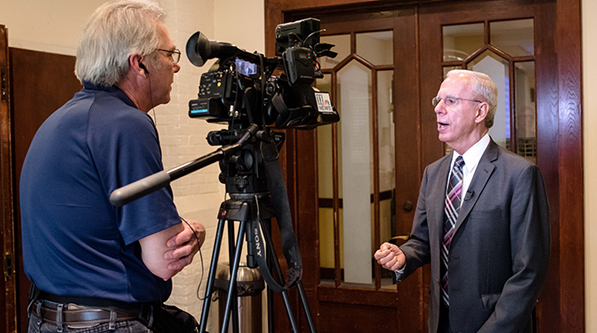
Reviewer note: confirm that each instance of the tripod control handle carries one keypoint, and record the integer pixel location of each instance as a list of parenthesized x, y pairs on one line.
[(122, 196)]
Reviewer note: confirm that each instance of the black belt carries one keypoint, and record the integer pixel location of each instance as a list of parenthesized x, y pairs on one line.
[(87, 315)]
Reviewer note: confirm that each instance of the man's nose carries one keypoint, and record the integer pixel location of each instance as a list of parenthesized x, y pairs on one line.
[(440, 107), (176, 67)]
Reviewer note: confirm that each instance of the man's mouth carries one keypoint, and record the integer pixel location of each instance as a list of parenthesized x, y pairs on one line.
[(441, 125)]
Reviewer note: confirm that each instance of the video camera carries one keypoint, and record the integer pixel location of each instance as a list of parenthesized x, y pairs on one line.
[(239, 88)]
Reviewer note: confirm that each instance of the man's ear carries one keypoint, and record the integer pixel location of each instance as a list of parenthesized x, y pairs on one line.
[(482, 111), (136, 64)]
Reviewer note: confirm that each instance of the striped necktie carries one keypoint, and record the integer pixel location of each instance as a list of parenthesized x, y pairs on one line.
[(451, 209)]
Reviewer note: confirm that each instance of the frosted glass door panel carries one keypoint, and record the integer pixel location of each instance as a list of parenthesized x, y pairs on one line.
[(355, 84), (498, 70)]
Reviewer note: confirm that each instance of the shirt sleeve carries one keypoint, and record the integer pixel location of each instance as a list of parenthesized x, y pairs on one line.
[(125, 148)]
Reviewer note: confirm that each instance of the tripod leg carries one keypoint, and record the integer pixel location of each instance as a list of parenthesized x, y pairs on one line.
[(231, 286), (234, 299), (273, 261), (301, 290), (211, 278)]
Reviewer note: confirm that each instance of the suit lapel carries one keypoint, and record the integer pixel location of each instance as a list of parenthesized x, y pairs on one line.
[(481, 177), (438, 197)]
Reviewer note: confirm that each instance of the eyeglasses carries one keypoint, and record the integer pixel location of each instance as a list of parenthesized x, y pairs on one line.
[(174, 55), (451, 101)]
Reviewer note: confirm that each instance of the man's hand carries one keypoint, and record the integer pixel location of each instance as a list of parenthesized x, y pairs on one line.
[(184, 245), (390, 257)]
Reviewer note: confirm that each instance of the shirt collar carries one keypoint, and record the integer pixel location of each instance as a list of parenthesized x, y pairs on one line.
[(113, 90), (473, 155)]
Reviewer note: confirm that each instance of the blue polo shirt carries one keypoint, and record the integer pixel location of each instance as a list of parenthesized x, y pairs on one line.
[(74, 241)]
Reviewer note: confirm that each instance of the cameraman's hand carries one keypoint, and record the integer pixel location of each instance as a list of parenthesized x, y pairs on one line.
[(390, 257), (184, 245)]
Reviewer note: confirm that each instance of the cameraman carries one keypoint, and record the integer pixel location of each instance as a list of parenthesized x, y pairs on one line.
[(93, 264)]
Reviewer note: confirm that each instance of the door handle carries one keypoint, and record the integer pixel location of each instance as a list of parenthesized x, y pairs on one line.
[(400, 239)]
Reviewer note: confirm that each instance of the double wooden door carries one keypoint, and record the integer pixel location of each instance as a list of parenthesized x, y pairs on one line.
[(356, 182)]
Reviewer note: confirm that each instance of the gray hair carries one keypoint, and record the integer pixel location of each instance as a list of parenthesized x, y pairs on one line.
[(116, 30), (483, 88)]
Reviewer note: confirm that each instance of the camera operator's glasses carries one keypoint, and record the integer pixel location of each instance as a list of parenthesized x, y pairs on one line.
[(174, 55), (450, 101)]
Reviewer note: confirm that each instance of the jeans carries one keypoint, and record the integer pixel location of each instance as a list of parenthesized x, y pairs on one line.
[(36, 325)]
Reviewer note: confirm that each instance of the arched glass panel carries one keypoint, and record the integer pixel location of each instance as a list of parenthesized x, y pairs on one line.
[(462, 40), (376, 47), (341, 45), (513, 37), (355, 100), (498, 69)]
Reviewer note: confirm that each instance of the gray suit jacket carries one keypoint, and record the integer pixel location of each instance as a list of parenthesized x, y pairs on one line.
[(500, 252)]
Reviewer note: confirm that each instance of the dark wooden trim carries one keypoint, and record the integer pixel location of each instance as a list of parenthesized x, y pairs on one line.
[(329, 203), (9, 256), (548, 307), (571, 218), (382, 298)]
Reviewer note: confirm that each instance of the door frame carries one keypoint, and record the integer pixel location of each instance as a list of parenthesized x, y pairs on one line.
[(566, 284), (7, 229)]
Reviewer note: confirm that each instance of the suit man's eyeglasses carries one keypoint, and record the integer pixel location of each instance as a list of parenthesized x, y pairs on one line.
[(451, 101)]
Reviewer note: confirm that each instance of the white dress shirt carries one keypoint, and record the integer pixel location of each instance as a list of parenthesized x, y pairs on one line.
[(471, 159)]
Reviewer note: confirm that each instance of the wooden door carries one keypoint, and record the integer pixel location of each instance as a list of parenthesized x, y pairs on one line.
[(41, 82), (514, 45), (418, 71), (373, 82)]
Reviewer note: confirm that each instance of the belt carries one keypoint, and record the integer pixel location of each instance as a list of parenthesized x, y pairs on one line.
[(83, 315)]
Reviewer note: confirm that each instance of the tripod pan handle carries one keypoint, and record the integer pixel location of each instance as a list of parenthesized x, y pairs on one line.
[(133, 191)]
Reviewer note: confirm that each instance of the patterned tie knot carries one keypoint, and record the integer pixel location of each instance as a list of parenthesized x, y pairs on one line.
[(453, 194), (459, 163)]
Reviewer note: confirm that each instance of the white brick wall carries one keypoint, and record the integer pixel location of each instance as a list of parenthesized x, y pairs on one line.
[(199, 195)]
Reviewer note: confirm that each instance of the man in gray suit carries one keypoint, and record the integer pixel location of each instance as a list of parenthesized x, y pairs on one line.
[(482, 221)]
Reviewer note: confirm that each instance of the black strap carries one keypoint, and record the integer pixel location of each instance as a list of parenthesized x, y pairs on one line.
[(279, 197), (33, 296)]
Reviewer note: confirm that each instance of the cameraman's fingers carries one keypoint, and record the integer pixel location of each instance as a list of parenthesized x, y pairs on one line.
[(181, 263), (199, 229), (180, 238), (188, 249)]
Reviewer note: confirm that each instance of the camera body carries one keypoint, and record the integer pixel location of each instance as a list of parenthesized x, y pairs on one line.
[(240, 90)]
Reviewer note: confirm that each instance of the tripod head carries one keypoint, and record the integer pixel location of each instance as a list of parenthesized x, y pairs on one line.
[(242, 171)]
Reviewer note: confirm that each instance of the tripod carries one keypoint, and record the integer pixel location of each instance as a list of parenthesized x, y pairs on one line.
[(251, 210), (244, 166)]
